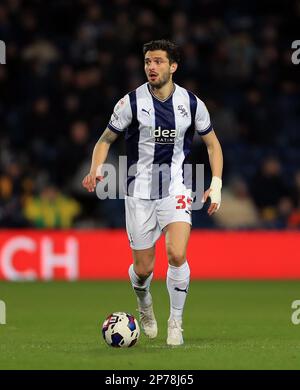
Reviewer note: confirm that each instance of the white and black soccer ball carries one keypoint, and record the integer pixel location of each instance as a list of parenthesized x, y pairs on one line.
[(120, 330)]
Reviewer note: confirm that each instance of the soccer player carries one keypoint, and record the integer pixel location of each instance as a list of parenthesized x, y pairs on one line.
[(159, 119)]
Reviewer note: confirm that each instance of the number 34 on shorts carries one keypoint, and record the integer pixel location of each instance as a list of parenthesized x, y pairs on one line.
[(184, 202)]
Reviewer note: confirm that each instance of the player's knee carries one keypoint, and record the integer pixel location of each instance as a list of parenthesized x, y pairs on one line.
[(143, 272), (176, 257)]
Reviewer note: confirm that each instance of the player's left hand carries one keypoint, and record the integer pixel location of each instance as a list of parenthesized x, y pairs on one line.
[(214, 192)]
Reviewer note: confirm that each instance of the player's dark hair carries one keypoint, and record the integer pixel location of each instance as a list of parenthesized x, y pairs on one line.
[(173, 51)]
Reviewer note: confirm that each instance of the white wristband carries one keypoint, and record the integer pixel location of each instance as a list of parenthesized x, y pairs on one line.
[(215, 194), (98, 171)]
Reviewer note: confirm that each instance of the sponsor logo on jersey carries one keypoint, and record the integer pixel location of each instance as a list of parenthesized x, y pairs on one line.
[(163, 136)]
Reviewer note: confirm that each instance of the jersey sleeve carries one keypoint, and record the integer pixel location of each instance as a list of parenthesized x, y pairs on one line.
[(202, 119), (121, 116)]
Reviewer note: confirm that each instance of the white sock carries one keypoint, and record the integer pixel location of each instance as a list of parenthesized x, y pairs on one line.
[(141, 287), (178, 279)]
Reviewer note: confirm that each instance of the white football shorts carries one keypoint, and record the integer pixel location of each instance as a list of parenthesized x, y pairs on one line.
[(146, 218)]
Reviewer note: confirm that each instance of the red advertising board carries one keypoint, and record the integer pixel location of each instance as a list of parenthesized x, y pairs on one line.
[(105, 254)]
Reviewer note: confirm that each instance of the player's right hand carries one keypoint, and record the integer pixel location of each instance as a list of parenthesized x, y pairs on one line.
[(90, 181)]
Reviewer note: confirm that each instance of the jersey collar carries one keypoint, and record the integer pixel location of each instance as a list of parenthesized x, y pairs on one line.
[(161, 100)]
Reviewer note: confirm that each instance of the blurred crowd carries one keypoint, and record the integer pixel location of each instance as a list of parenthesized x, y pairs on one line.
[(68, 63)]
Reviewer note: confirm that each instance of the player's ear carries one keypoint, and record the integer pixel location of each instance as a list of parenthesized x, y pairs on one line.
[(174, 67)]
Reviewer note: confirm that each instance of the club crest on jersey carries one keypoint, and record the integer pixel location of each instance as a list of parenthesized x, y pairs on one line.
[(182, 110), (163, 136)]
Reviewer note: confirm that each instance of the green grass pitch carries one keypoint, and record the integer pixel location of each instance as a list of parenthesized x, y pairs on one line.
[(227, 325)]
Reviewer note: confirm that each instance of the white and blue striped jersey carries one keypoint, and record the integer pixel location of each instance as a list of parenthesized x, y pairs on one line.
[(158, 135)]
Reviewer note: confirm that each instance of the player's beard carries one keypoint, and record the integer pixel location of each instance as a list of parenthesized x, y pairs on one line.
[(162, 81)]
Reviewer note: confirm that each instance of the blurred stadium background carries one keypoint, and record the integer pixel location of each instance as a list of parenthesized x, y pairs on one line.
[(67, 64)]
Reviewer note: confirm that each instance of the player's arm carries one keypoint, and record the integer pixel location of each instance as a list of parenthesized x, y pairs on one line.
[(216, 163), (99, 156)]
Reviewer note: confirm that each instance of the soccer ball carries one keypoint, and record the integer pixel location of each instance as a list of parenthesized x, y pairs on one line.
[(120, 330)]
